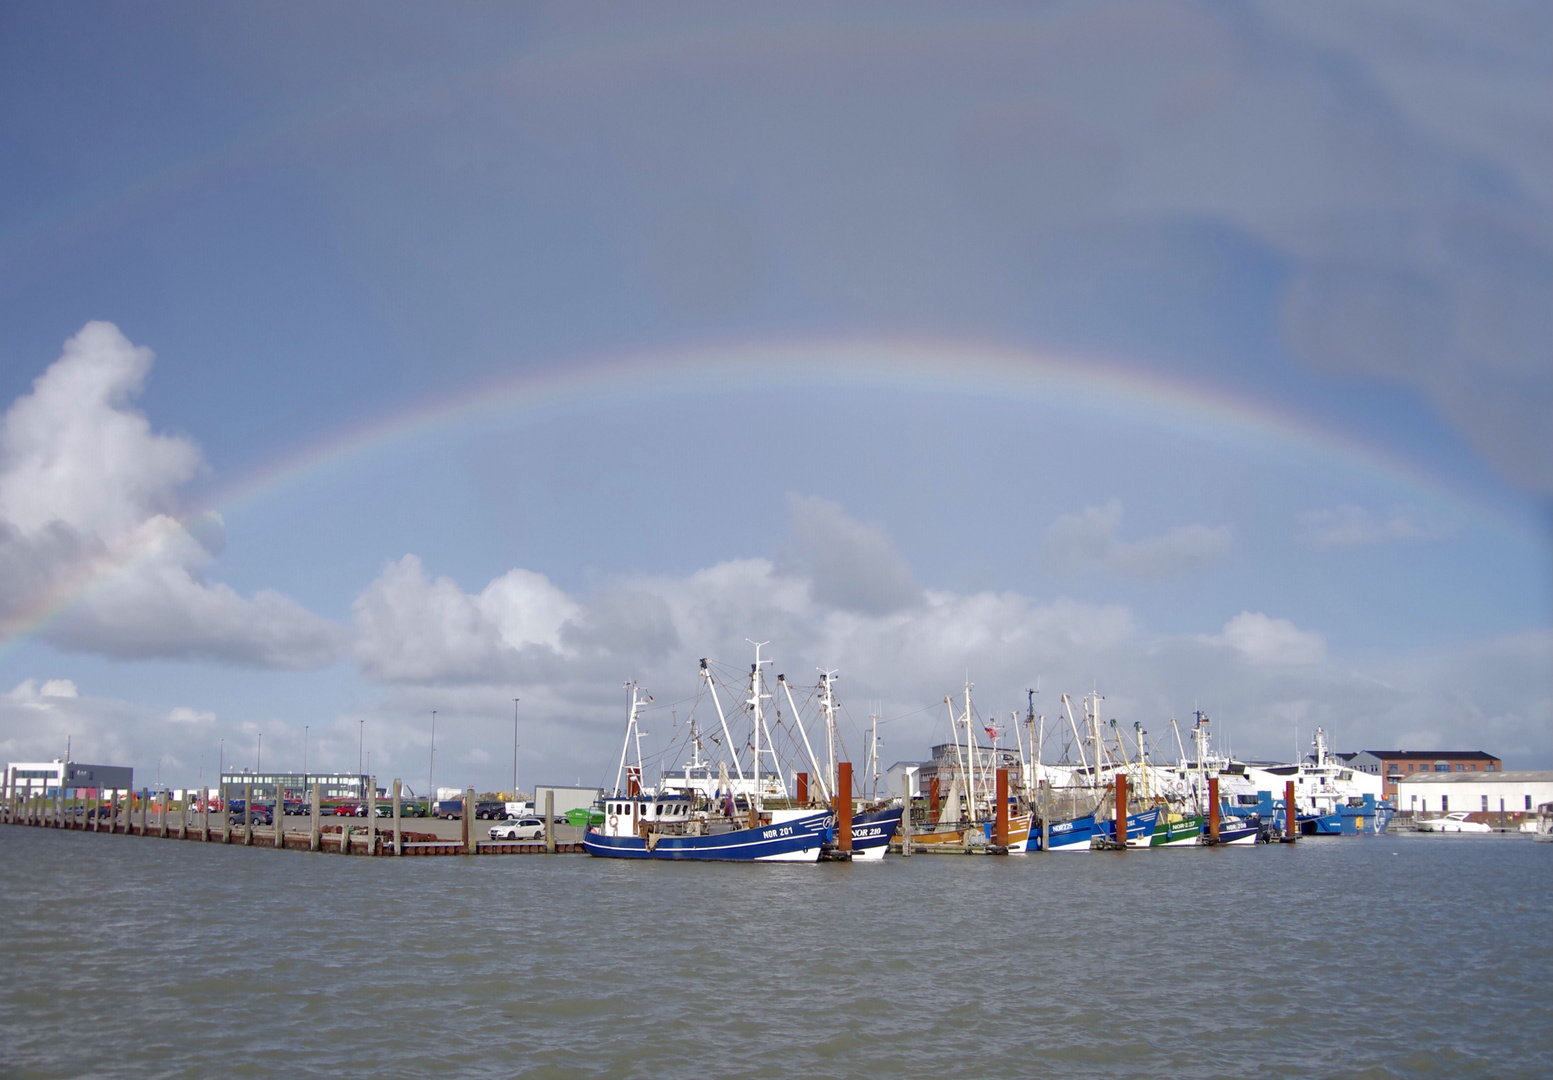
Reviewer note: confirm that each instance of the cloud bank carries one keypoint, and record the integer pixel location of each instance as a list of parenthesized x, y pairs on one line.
[(89, 494)]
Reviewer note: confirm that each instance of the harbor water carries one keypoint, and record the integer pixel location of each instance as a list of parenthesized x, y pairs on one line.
[(1397, 956)]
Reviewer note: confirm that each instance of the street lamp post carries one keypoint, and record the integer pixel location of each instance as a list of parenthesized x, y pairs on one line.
[(431, 770), (514, 749)]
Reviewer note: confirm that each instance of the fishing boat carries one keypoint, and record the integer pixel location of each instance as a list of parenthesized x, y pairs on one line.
[(671, 827), (872, 832), (1140, 829), (1178, 830)]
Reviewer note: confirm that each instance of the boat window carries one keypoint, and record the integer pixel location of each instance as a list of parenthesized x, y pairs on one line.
[(1528, 802)]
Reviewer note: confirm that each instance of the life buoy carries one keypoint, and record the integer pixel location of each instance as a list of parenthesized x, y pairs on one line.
[(614, 822)]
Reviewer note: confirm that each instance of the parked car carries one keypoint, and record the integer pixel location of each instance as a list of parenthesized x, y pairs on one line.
[(261, 814), (348, 809), (489, 809), (529, 828), (451, 809)]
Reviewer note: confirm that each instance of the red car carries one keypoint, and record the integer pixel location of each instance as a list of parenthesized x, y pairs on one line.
[(349, 809)]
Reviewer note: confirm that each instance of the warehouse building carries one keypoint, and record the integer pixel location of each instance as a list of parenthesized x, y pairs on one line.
[(77, 779), (1474, 792)]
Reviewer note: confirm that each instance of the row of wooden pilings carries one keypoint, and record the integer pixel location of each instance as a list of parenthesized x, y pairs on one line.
[(116, 815)]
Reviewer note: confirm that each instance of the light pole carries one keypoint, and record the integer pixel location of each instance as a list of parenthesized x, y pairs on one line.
[(305, 729), (258, 754), (361, 741), (514, 749), (220, 780), (431, 770)]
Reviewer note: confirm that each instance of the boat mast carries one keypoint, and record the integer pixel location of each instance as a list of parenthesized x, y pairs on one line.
[(1078, 740), (828, 704), (970, 749), (760, 721), (798, 722), (874, 751), (954, 731), (722, 719), (633, 732)]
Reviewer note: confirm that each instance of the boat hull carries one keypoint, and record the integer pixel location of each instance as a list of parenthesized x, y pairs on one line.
[(1183, 833), (872, 833), (1069, 836), (1140, 828), (795, 840)]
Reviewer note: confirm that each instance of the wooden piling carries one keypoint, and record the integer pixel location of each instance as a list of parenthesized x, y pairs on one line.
[(247, 815), (1290, 824), (905, 814), (398, 832), (372, 816), (844, 806), (204, 815), (471, 837), (1000, 815), (161, 820), (1213, 809), (345, 838), (278, 816), (145, 810), (183, 817), (315, 833), (550, 822), (1121, 810)]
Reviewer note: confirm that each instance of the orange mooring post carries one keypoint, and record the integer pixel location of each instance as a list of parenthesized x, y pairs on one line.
[(1121, 809), (1213, 809), (1288, 810), (803, 789), (843, 806), (932, 798), (1000, 818)]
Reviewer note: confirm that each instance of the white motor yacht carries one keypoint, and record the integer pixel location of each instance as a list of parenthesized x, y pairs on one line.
[(1455, 822)]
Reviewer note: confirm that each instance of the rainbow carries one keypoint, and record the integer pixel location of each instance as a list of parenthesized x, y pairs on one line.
[(1089, 384)]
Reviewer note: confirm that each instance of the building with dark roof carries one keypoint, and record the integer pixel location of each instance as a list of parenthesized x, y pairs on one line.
[(1393, 765)]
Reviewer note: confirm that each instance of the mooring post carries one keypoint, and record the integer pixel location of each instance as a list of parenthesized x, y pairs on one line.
[(183, 817), (468, 800), (278, 817), (1121, 810), (113, 812), (1213, 809), (1000, 816), (372, 815), (145, 811), (314, 834), (905, 814), (1288, 811), (844, 806), (204, 815), (345, 838), (59, 805), (1043, 790), (163, 803), (247, 815), (398, 834), (550, 821)]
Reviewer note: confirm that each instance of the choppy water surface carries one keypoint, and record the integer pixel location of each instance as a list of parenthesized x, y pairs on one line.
[(1402, 956)]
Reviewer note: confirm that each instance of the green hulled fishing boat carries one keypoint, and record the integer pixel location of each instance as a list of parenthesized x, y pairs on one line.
[(1176, 829)]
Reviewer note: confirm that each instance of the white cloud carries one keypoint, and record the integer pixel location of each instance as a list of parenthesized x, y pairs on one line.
[(410, 628), (1356, 526), (851, 564), (183, 714), (90, 540), (1088, 540), (1265, 640)]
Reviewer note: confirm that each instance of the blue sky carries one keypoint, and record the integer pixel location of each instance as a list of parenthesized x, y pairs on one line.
[(1287, 266)]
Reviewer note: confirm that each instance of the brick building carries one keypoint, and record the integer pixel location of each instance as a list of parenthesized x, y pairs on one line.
[(1393, 765)]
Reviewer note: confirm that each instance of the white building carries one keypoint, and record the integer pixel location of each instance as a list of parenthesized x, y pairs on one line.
[(1474, 792), (47, 777)]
